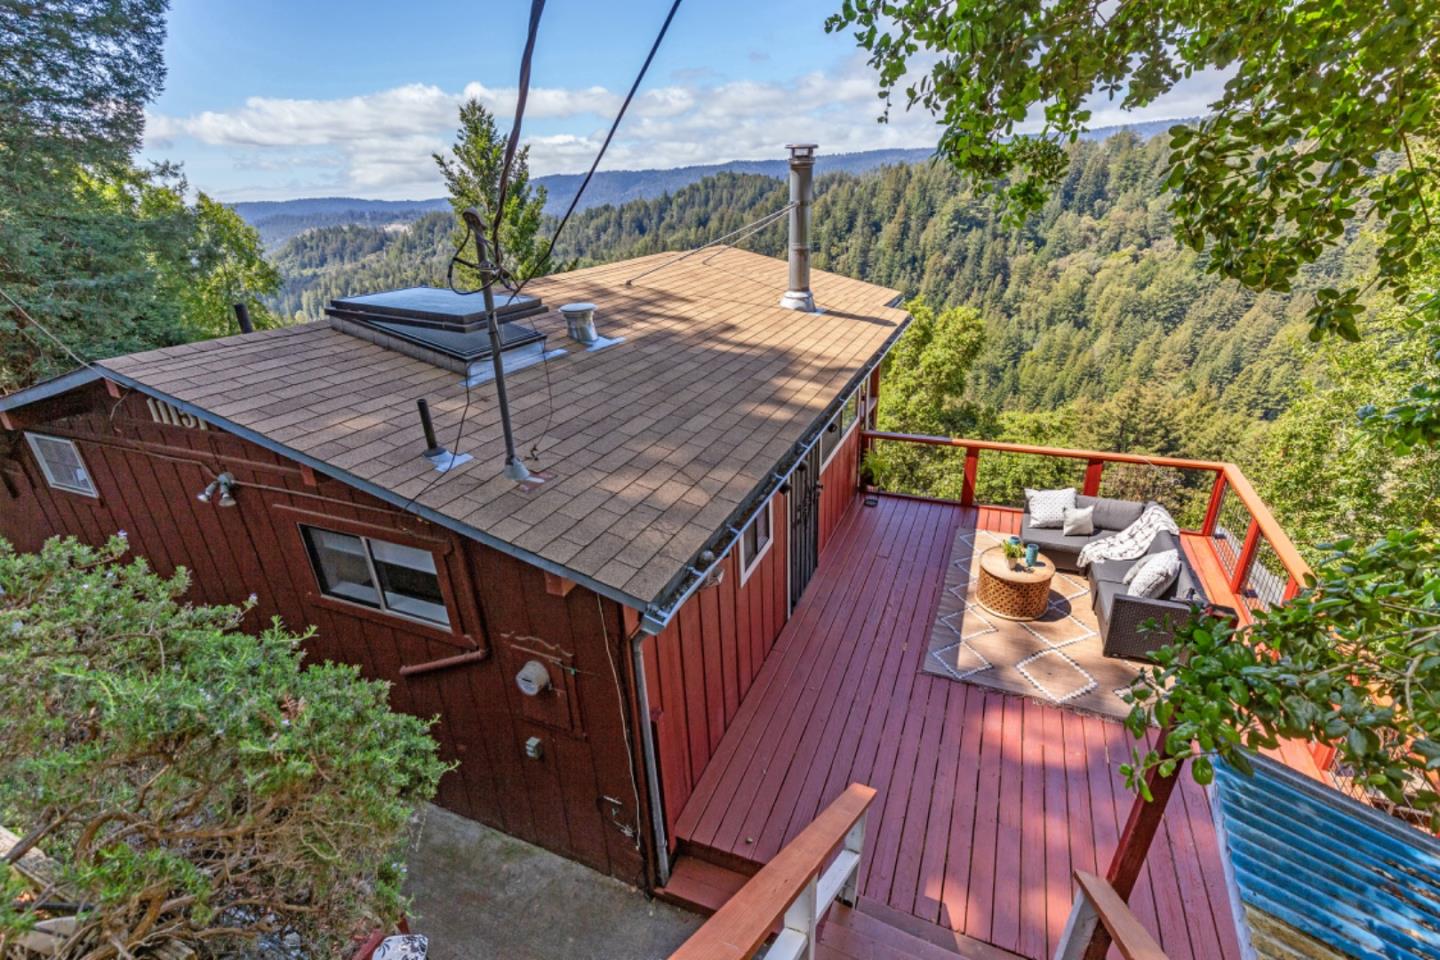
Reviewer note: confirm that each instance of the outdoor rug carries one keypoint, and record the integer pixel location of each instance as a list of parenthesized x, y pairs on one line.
[(1055, 659)]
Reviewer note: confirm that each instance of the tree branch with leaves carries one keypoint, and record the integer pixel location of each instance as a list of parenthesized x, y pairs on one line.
[(1321, 97)]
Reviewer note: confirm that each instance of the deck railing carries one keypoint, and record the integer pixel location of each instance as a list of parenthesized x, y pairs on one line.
[(814, 870), (1097, 903), (1208, 497)]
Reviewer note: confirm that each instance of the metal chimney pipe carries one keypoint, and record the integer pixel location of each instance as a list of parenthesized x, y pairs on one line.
[(802, 163), (242, 317)]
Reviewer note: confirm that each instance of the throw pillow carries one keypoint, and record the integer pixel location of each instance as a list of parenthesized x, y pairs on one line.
[(1047, 507), (1153, 575), (1079, 521), (1111, 514)]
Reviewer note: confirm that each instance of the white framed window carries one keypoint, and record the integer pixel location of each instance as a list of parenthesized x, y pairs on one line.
[(377, 574), (755, 541), (62, 464), (839, 427)]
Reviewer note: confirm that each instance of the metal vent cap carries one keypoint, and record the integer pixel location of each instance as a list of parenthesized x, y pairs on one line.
[(580, 322)]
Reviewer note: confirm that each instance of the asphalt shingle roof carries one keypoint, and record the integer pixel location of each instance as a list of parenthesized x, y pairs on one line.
[(650, 444)]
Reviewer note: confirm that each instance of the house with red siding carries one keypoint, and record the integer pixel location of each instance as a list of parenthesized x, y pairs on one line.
[(685, 646), (585, 637)]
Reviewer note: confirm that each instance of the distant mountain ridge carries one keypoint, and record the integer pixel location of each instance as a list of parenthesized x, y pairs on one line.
[(279, 220)]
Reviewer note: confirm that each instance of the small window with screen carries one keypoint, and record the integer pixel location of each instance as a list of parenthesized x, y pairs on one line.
[(755, 541), (378, 574), (61, 462)]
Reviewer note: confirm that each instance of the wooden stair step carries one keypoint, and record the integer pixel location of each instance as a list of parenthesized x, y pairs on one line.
[(699, 885), (852, 935)]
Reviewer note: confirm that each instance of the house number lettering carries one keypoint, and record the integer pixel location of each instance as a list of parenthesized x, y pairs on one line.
[(164, 412)]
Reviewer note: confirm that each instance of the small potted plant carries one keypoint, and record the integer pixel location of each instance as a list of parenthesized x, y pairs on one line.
[(1014, 552)]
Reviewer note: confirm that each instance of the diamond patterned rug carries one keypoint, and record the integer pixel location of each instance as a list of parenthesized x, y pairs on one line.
[(1056, 658)]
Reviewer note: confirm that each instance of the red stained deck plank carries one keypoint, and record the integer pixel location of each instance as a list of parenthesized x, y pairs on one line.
[(818, 737), (898, 739), (1055, 894), (722, 788), (955, 889), (830, 770), (819, 614), (986, 801)]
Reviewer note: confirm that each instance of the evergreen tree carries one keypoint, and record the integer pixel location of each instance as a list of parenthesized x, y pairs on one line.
[(108, 257), (472, 176)]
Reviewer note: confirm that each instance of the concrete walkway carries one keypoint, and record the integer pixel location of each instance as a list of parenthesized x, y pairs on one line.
[(479, 894)]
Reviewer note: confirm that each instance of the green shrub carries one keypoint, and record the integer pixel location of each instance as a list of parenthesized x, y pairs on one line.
[(192, 781)]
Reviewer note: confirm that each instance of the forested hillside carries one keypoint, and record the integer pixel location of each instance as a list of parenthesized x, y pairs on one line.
[(1087, 326), (1088, 297)]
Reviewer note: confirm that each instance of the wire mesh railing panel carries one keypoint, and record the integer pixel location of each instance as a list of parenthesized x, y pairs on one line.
[(1264, 584), (1231, 523), (1002, 476), (918, 469), (1185, 492)]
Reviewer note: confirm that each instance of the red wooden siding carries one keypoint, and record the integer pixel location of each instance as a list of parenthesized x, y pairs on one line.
[(148, 475), (841, 482), (700, 667)]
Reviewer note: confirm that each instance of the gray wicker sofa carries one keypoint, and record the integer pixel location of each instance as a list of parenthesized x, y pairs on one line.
[(1120, 614)]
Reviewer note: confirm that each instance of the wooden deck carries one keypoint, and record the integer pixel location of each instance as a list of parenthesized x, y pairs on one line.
[(986, 802)]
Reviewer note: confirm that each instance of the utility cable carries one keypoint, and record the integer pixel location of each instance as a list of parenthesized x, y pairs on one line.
[(605, 145), (25, 315), (575, 201), (500, 274), (537, 7), (758, 225)]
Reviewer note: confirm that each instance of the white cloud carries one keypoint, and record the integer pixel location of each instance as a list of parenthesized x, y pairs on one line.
[(379, 144)]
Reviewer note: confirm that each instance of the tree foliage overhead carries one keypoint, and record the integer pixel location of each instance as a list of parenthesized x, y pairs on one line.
[(1319, 92), (191, 780), (74, 80), (1350, 662), (109, 258)]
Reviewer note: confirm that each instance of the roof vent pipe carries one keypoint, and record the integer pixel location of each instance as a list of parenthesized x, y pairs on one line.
[(242, 317), (580, 322), (432, 445), (802, 163)]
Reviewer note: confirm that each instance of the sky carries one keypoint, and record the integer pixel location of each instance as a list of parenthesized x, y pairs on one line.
[(274, 99)]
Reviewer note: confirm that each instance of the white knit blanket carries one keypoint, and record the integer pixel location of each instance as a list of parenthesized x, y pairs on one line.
[(1133, 541)]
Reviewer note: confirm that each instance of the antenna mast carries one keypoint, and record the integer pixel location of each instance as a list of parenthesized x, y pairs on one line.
[(489, 272)]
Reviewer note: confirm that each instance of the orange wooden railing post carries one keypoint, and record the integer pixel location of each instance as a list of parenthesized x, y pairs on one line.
[(1247, 557), (1212, 512), (1094, 470), (972, 469)]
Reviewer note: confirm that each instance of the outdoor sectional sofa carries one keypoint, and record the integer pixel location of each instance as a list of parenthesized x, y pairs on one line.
[(1120, 614)]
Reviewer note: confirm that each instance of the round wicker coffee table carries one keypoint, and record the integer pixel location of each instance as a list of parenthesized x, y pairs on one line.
[(1010, 590)]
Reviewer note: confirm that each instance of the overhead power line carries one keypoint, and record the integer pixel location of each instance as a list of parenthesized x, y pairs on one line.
[(749, 229), (25, 315), (605, 145)]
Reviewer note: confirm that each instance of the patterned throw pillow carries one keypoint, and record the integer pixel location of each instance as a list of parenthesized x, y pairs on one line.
[(1047, 507), (1079, 521), (1153, 574)]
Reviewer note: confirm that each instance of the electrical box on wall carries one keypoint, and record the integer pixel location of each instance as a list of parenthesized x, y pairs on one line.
[(544, 677)]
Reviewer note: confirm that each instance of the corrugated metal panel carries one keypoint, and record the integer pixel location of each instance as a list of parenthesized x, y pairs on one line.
[(1345, 874)]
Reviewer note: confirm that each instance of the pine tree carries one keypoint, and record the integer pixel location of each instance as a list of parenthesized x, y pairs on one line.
[(472, 176)]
